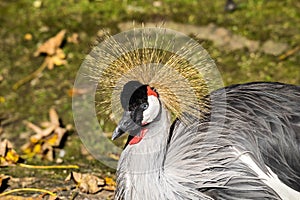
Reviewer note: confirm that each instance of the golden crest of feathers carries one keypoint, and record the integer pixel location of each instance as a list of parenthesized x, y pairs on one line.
[(178, 68)]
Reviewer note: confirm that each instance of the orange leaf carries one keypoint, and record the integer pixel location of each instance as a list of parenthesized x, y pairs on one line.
[(50, 46), (109, 181)]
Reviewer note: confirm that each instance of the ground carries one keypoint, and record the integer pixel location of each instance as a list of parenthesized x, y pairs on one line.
[(271, 28)]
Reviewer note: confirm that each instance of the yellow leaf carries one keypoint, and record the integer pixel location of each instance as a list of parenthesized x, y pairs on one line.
[(109, 181), (12, 156), (57, 61), (26, 147), (52, 141), (2, 161), (26, 150), (8, 156), (37, 149), (60, 53), (34, 139)]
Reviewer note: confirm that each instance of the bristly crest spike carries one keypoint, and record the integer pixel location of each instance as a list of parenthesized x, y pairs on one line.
[(179, 69)]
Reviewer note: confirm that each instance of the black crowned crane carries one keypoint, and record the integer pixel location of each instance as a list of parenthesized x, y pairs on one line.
[(238, 142), (253, 154)]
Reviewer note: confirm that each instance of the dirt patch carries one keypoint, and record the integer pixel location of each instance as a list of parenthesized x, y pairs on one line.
[(220, 36)]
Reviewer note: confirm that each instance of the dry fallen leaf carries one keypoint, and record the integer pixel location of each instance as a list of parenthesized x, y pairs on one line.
[(51, 45), (42, 144), (53, 198), (57, 59), (76, 91), (86, 153), (8, 156), (3, 181), (74, 38), (87, 183), (55, 56), (110, 184)]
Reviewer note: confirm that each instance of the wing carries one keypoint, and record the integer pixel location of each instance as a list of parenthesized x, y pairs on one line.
[(262, 119), (273, 109)]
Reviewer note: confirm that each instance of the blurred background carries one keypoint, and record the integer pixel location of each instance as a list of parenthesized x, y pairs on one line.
[(250, 40)]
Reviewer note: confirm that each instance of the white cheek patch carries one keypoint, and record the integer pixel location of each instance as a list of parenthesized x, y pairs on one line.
[(152, 111)]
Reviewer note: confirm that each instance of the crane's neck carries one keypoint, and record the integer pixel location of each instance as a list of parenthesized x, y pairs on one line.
[(142, 163), (148, 154)]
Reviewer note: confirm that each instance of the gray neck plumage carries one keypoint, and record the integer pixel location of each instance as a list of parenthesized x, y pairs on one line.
[(143, 162), (147, 155)]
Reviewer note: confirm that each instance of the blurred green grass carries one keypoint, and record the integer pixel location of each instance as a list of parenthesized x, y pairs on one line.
[(259, 20)]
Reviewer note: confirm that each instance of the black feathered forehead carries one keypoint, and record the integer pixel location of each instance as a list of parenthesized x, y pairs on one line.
[(133, 94)]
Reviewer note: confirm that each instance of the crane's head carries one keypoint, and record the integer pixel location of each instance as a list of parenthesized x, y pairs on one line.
[(141, 107), (127, 65)]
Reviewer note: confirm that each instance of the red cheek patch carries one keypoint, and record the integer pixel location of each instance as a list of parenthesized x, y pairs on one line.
[(151, 92), (138, 138)]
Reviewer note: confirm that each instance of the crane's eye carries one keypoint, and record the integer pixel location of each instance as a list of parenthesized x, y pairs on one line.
[(144, 106)]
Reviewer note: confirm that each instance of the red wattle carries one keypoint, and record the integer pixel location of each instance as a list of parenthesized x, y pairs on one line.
[(137, 139)]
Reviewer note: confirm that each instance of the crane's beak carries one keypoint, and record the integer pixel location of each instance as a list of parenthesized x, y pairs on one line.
[(126, 124), (117, 133)]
